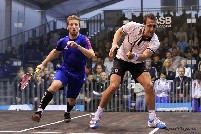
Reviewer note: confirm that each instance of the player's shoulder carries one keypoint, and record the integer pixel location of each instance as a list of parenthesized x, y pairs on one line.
[(82, 36), (154, 37), (64, 39), (134, 24)]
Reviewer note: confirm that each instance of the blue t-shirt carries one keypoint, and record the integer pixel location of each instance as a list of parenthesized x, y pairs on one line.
[(73, 59)]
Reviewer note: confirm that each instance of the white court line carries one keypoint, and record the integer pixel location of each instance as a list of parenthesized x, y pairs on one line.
[(153, 131), (9, 131), (47, 132), (28, 129)]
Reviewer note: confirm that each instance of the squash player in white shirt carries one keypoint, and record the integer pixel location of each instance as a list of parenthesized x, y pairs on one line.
[(140, 43)]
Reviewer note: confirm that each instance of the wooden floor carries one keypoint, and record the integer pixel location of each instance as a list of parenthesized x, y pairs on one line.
[(111, 123)]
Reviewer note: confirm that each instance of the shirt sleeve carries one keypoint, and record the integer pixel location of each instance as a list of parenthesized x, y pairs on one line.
[(154, 44), (88, 43), (60, 45), (128, 27)]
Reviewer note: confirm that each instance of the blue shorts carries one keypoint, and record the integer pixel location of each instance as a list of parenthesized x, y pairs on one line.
[(73, 80)]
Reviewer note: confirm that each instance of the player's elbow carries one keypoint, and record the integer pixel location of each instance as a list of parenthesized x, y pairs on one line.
[(92, 54), (55, 53)]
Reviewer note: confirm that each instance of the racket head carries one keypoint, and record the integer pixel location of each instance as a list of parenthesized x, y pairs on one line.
[(24, 81)]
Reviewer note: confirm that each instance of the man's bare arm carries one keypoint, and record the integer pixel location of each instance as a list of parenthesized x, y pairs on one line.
[(53, 54)]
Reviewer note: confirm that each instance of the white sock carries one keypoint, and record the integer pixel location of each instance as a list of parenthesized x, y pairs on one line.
[(99, 111), (40, 110), (152, 114)]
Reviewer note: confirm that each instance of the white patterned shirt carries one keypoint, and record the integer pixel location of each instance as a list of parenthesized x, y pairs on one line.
[(140, 45)]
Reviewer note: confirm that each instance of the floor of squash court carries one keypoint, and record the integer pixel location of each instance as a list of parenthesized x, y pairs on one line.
[(111, 123)]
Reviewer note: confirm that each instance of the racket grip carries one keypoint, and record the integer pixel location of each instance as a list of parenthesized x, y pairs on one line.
[(115, 52), (38, 70)]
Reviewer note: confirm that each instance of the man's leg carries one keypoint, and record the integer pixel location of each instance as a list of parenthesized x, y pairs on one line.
[(145, 80), (106, 97), (108, 93), (74, 88), (70, 104), (47, 97)]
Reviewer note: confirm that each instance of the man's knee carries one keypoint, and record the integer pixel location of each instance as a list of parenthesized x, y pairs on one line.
[(148, 87), (71, 101), (52, 89), (55, 86)]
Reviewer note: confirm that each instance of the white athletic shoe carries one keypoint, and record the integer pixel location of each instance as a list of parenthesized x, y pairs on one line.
[(156, 123), (95, 119)]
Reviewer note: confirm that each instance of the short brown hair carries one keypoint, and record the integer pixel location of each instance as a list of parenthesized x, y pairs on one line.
[(72, 17), (150, 16)]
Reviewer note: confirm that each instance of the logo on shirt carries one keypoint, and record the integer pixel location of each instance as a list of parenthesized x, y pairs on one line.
[(66, 47), (116, 70)]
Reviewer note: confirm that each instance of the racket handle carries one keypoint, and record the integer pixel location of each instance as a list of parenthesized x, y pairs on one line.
[(38, 70), (115, 52)]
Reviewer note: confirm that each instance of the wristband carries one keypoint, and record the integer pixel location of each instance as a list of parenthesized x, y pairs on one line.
[(135, 56)]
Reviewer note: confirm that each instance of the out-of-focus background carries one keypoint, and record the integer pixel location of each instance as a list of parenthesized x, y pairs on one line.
[(30, 29)]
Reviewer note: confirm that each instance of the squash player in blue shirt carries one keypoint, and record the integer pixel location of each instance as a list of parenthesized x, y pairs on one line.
[(76, 48)]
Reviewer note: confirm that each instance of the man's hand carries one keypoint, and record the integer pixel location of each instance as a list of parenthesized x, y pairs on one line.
[(112, 49), (72, 44), (130, 55), (41, 67)]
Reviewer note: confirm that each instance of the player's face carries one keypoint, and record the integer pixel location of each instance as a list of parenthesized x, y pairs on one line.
[(150, 28), (73, 27)]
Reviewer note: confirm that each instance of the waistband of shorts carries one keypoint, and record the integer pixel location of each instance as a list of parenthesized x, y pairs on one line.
[(129, 62)]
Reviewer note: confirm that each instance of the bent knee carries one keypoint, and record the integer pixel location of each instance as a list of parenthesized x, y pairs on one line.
[(53, 89), (148, 87), (56, 85), (71, 101)]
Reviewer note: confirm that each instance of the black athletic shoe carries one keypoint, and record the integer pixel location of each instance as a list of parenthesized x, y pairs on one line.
[(67, 117), (36, 116)]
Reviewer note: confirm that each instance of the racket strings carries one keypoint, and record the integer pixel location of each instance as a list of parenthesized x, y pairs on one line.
[(24, 81)]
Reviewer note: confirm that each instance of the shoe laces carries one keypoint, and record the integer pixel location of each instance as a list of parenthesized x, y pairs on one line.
[(95, 117), (157, 120)]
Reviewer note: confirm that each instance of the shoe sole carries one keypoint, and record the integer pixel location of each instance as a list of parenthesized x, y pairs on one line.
[(94, 127), (67, 120), (35, 118)]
